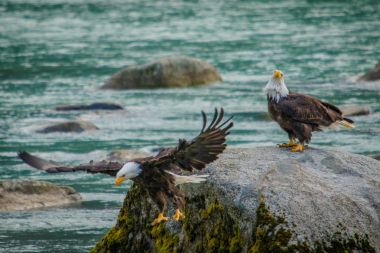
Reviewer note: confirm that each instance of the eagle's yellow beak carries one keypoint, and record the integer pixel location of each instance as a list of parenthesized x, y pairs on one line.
[(119, 180), (277, 74)]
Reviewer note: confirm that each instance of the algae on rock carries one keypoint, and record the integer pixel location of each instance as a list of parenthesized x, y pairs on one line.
[(263, 200), (207, 227)]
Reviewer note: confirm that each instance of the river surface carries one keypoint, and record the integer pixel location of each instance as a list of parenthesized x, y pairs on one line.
[(56, 52)]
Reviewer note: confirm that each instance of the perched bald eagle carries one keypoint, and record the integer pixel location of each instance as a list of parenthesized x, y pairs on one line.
[(157, 174), (299, 115)]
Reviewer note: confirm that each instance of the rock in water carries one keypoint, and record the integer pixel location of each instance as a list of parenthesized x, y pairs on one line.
[(29, 194), (371, 75), (124, 155), (69, 126), (377, 157), (175, 71), (93, 106), (263, 200)]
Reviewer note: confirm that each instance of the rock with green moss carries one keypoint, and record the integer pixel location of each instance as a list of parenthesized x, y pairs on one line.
[(166, 72), (263, 200)]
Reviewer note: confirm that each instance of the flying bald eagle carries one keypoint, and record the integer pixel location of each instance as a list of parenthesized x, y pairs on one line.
[(299, 115), (157, 174)]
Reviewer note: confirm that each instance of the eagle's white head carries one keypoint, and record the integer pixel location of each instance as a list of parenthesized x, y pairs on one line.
[(276, 88), (128, 171)]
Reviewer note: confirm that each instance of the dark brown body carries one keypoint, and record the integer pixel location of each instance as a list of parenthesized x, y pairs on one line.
[(162, 188), (299, 115)]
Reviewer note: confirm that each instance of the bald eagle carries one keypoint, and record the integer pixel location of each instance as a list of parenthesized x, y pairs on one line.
[(158, 174), (299, 115)]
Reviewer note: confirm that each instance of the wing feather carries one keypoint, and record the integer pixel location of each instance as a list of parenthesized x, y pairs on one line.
[(105, 167), (307, 109), (203, 149)]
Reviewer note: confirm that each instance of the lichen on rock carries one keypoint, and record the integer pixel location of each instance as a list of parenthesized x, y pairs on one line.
[(273, 234), (262, 200), (206, 228)]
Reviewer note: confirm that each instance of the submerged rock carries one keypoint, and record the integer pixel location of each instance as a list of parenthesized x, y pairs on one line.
[(175, 71), (69, 126), (124, 155), (354, 110), (371, 75), (377, 157), (29, 194), (93, 106), (263, 200)]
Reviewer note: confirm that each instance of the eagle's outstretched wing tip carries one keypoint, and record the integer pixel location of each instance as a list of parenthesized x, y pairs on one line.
[(34, 161), (22, 153), (204, 118), (206, 147), (53, 167)]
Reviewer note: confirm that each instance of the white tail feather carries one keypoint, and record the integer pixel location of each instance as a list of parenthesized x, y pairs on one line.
[(346, 124), (194, 179)]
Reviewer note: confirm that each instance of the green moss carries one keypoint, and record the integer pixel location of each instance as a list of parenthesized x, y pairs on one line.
[(123, 237), (112, 240), (213, 207), (208, 227), (341, 242), (273, 235), (164, 240)]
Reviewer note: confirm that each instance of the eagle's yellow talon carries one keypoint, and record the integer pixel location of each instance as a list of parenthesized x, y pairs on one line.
[(178, 215), (298, 148), (286, 145), (159, 219), (290, 144)]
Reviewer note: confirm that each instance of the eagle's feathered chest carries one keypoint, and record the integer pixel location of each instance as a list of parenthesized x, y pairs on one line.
[(274, 109), (276, 113), (154, 179)]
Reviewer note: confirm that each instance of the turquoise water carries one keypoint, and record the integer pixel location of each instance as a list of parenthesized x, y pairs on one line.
[(60, 52)]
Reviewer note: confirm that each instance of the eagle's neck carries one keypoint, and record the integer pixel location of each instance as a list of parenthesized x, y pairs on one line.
[(276, 89)]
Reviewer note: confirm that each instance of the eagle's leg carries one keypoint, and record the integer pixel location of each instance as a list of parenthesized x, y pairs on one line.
[(162, 201), (291, 143), (298, 148), (178, 215), (161, 217), (179, 200)]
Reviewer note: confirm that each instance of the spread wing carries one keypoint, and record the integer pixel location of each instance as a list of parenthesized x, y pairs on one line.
[(105, 167), (202, 150), (307, 109)]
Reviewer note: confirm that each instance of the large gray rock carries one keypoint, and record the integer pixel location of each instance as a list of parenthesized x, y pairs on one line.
[(263, 200), (69, 126), (175, 71), (29, 194), (372, 75)]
